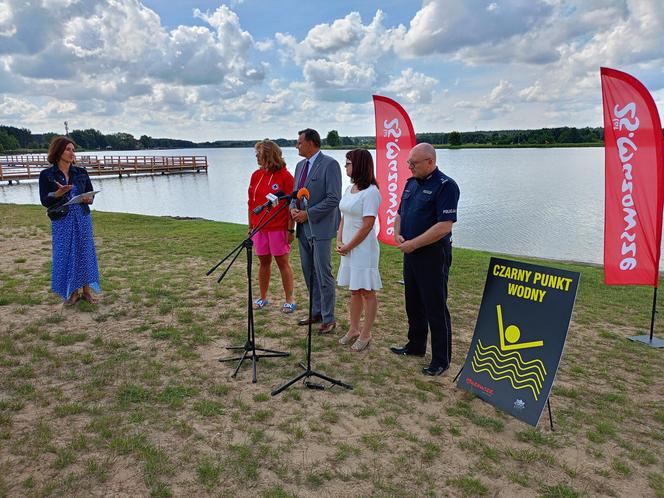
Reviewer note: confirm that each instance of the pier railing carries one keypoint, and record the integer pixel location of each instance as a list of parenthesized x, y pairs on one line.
[(27, 167)]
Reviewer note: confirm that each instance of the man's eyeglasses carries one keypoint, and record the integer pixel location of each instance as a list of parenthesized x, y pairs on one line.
[(412, 163)]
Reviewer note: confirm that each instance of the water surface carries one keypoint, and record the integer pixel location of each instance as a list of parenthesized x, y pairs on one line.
[(545, 203)]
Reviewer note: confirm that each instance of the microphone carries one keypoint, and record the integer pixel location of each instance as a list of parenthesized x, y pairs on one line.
[(272, 200), (303, 196)]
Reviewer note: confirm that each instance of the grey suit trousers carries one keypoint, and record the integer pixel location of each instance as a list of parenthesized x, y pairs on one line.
[(323, 292)]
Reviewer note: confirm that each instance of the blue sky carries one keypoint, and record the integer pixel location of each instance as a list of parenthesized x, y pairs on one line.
[(250, 69)]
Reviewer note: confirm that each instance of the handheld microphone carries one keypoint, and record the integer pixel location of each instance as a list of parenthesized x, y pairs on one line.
[(272, 200), (303, 197)]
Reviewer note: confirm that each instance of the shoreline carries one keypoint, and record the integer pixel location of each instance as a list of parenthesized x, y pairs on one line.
[(541, 259), (345, 147)]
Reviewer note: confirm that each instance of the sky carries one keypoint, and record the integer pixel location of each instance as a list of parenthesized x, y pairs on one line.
[(252, 69)]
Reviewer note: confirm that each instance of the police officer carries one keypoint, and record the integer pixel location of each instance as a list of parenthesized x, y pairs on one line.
[(423, 231)]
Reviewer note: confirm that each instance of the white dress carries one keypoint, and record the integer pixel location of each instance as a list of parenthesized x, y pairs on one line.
[(359, 269)]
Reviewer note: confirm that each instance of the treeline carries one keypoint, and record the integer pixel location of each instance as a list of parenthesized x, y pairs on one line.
[(541, 136), (12, 139)]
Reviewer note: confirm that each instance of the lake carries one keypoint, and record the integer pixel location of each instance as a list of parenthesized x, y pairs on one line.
[(546, 203)]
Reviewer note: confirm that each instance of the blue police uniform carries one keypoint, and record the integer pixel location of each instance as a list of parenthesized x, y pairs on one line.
[(424, 203)]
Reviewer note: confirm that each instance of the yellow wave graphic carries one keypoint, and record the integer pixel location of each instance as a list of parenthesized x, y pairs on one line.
[(523, 365), (500, 364), (503, 372), (479, 369), (509, 366)]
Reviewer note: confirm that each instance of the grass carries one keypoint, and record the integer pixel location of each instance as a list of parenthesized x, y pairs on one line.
[(129, 394), (468, 486)]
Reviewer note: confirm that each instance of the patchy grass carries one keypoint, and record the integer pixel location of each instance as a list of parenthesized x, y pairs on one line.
[(127, 396)]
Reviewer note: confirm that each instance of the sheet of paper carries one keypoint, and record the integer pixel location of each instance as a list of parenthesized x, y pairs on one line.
[(79, 198)]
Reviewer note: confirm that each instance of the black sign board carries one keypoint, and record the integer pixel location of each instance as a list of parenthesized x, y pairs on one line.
[(519, 336)]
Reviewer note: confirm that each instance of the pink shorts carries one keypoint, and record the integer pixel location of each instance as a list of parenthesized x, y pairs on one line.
[(274, 243)]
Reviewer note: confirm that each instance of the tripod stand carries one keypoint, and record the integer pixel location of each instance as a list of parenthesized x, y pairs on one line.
[(308, 372), (249, 348)]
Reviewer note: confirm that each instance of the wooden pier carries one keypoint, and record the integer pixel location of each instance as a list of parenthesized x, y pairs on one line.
[(28, 167)]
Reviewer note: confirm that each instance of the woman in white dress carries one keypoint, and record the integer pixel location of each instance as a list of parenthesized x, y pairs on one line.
[(357, 244)]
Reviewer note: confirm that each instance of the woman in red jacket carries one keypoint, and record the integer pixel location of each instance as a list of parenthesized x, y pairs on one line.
[(275, 238)]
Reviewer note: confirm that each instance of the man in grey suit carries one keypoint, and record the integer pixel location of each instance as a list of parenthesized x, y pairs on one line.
[(317, 225)]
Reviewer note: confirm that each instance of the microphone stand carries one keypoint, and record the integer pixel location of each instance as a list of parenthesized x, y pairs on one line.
[(249, 348), (308, 372)]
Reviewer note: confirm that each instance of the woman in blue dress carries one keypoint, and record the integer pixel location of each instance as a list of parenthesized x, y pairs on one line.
[(75, 273)]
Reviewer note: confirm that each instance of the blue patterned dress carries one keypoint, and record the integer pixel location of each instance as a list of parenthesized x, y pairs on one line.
[(74, 254)]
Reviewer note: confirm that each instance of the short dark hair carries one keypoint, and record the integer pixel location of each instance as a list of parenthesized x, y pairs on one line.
[(310, 135), (57, 147), (362, 174)]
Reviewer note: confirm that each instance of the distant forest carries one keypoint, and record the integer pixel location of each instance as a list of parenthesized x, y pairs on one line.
[(18, 139)]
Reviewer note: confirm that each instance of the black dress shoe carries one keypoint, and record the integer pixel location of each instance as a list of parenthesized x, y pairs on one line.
[(405, 351), (431, 370), (314, 319)]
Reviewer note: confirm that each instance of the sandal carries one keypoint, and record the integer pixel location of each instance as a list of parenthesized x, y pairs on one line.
[(90, 298), (72, 299), (347, 338), (259, 304), (288, 307), (360, 345)]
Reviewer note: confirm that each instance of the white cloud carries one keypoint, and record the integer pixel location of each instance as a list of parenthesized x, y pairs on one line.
[(630, 39), (58, 108), (445, 26), (114, 64), (341, 34), (125, 34), (498, 102), (345, 60), (533, 93), (7, 29), (16, 107), (265, 45), (338, 74), (412, 87), (115, 56)]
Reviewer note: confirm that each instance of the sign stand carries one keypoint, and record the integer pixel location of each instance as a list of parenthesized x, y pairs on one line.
[(651, 341)]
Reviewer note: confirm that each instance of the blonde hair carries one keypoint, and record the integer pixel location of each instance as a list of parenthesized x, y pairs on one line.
[(270, 154)]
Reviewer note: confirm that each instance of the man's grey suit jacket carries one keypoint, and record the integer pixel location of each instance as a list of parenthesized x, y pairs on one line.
[(324, 185)]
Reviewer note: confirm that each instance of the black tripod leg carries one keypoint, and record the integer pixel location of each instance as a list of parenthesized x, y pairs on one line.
[(331, 380), (237, 369), (308, 372), (236, 358), (250, 344), (275, 353), (229, 267), (290, 383)]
